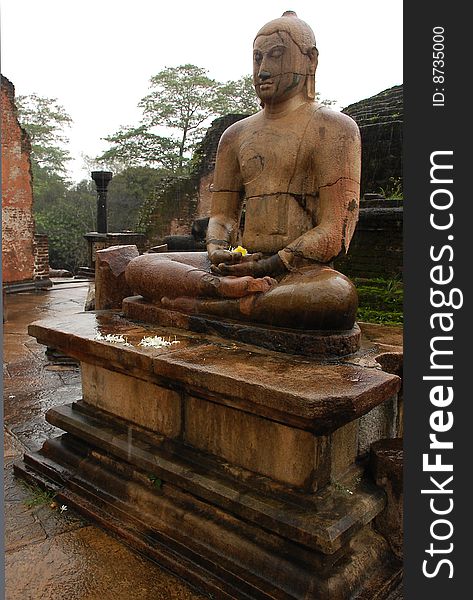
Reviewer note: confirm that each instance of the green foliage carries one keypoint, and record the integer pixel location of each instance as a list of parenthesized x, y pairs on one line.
[(45, 119), (182, 99), (127, 193), (324, 101), (393, 189), (48, 188), (63, 213), (37, 496), (65, 220), (380, 300), (237, 97), (137, 146), (155, 481)]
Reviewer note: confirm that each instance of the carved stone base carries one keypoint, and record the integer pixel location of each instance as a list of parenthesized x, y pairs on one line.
[(317, 344), (237, 468), (223, 534)]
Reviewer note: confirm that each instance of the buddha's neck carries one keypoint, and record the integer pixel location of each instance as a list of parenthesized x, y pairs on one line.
[(274, 111)]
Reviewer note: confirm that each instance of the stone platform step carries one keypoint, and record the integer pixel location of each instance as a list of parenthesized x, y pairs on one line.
[(211, 548), (208, 577), (323, 521)]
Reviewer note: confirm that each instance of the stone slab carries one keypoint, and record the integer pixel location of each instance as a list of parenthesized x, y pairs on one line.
[(135, 400), (263, 446), (322, 521), (309, 394), (320, 344)]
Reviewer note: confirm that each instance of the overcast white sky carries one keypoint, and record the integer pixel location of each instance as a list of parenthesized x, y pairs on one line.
[(97, 56)]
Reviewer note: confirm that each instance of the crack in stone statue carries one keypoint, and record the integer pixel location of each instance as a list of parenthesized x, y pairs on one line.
[(297, 163)]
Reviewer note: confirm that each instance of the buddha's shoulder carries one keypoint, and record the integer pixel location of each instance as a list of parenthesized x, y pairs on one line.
[(332, 120), (233, 133)]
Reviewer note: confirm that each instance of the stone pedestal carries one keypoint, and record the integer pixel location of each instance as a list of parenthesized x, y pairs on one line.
[(100, 241), (238, 468)]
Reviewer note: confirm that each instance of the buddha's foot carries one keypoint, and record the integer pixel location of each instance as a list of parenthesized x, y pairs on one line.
[(238, 287), (182, 304)]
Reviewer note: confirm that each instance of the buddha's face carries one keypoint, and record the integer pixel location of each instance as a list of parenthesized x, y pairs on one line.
[(279, 67)]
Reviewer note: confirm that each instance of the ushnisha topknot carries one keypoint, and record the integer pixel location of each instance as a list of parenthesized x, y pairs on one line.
[(299, 31)]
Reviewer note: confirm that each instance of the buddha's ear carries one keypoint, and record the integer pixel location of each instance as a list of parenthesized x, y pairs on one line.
[(313, 55)]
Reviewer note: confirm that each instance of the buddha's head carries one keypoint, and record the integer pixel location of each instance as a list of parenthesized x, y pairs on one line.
[(284, 60)]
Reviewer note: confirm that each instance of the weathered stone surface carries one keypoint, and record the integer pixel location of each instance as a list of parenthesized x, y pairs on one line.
[(96, 563), (295, 168), (311, 395), (343, 445), (387, 468), (380, 120), (187, 508), (12, 446), (17, 193), (100, 241), (376, 249), (87, 564), (286, 454), (322, 344), (110, 283), (21, 526), (135, 400), (187, 532), (303, 517), (381, 422)]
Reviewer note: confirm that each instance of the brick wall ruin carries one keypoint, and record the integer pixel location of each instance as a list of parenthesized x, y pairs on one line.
[(376, 249), (380, 119), (17, 193), (41, 257)]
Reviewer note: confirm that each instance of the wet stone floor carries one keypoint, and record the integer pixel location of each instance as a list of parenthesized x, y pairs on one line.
[(51, 553)]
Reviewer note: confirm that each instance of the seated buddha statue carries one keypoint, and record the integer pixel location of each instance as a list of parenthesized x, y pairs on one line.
[(294, 167)]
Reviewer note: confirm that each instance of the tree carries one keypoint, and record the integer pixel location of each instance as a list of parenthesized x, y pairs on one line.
[(127, 193), (183, 100), (45, 119), (65, 220), (238, 97), (63, 212), (137, 146)]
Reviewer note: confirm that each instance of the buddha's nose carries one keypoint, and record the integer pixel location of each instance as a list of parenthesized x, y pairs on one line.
[(263, 75)]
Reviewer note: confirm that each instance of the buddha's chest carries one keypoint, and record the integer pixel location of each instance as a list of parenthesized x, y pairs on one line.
[(275, 158)]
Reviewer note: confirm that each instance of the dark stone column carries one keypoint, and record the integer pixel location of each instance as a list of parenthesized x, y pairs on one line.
[(102, 179)]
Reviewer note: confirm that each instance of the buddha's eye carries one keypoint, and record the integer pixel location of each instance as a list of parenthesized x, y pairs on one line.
[(257, 57), (276, 52)]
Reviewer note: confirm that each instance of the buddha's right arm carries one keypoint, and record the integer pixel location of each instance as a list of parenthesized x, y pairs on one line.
[(223, 224), (227, 198)]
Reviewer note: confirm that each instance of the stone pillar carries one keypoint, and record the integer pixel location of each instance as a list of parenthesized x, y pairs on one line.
[(102, 179)]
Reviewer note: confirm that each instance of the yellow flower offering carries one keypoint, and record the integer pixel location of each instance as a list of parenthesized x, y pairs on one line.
[(241, 250)]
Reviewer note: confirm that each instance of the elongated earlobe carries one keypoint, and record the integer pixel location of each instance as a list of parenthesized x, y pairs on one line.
[(310, 78), (310, 87)]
